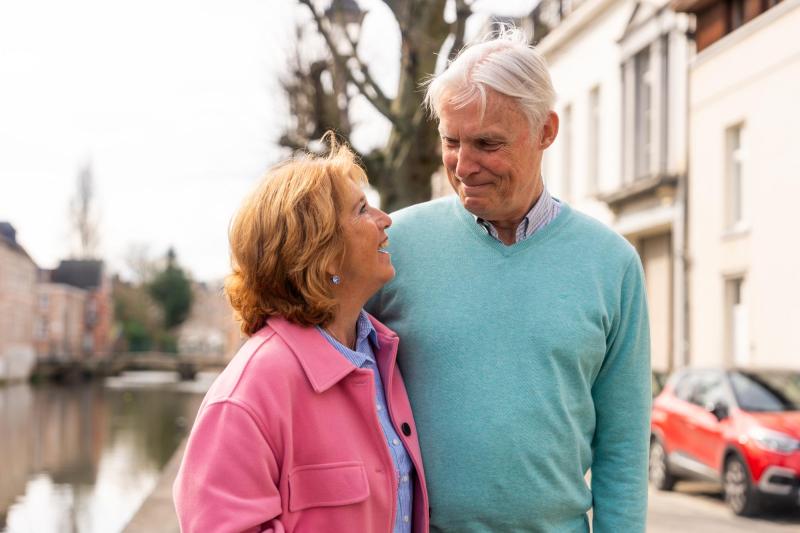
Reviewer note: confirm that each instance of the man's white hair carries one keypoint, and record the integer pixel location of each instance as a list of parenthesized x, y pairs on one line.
[(503, 61)]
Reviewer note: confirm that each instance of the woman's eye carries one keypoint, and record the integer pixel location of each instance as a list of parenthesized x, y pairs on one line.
[(363, 209)]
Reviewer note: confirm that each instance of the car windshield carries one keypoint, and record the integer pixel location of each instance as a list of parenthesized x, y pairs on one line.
[(767, 391)]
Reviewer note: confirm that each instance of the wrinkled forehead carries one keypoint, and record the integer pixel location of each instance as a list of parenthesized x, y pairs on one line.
[(347, 180), (485, 111)]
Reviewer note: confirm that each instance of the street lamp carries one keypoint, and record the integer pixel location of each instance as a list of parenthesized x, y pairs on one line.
[(347, 16)]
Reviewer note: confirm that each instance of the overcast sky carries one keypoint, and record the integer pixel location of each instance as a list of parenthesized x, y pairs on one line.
[(175, 103)]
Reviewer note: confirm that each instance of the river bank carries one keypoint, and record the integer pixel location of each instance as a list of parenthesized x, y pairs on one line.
[(157, 513), (85, 456)]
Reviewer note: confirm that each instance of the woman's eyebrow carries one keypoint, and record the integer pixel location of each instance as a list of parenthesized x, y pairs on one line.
[(361, 199)]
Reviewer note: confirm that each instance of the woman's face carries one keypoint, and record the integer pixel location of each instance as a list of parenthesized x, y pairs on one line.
[(367, 265)]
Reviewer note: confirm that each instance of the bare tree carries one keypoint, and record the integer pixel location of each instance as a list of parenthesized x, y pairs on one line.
[(83, 216), (402, 169), (140, 263)]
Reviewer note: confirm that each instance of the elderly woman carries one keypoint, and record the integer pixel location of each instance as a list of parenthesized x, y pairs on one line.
[(309, 428)]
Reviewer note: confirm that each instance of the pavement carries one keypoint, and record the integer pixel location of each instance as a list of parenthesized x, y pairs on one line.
[(696, 507), (693, 507)]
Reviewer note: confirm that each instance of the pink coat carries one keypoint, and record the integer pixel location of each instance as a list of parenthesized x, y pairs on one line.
[(288, 440)]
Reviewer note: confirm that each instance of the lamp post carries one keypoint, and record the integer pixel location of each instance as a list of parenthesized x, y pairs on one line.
[(346, 16)]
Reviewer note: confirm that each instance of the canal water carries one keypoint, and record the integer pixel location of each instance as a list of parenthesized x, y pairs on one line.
[(82, 458)]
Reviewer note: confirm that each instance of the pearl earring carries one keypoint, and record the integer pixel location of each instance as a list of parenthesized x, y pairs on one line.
[(336, 280)]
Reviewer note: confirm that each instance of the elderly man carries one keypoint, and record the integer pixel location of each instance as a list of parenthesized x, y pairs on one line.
[(523, 324)]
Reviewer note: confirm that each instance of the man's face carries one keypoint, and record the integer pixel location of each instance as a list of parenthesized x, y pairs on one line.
[(494, 164)]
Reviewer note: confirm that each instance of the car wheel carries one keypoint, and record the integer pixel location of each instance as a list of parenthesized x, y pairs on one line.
[(658, 470), (740, 494)]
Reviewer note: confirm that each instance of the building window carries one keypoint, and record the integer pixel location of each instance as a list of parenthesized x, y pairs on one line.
[(43, 302), (734, 179), (594, 141), (88, 343), (738, 334), (735, 14), (41, 329), (566, 154), (643, 86)]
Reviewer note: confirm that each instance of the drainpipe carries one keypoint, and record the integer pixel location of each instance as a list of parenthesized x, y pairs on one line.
[(682, 352)]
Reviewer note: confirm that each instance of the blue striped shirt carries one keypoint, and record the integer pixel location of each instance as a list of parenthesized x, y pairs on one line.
[(364, 357), (541, 214)]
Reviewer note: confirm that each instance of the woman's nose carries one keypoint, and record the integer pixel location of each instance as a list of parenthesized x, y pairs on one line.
[(384, 220)]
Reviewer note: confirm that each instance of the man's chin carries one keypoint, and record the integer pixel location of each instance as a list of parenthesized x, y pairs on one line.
[(476, 206)]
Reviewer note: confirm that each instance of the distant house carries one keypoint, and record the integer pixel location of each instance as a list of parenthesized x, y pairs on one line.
[(89, 275), (60, 320), (210, 330), (17, 300)]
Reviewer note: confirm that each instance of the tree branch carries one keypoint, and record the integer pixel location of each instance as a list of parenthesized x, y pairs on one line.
[(293, 142), (366, 86), (365, 72), (463, 11), (392, 4)]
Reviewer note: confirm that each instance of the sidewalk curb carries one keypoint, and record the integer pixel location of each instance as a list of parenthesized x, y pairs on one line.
[(157, 513)]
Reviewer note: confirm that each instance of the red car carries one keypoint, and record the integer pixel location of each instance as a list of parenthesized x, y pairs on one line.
[(740, 428)]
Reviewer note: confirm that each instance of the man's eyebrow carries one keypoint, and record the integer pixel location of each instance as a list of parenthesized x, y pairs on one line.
[(484, 136), (492, 137)]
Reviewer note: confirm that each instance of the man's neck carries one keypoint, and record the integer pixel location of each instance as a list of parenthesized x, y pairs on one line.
[(507, 233), (507, 229)]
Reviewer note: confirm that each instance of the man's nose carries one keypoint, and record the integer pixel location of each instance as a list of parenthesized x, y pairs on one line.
[(467, 163)]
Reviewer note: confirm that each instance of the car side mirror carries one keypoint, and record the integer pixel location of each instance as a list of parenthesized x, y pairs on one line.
[(719, 410)]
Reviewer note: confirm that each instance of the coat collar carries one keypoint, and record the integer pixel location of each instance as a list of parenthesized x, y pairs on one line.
[(322, 364)]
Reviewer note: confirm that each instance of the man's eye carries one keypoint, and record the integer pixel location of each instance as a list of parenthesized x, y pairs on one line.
[(489, 145), (450, 142)]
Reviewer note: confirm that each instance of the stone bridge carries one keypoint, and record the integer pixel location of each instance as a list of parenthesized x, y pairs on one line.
[(186, 365)]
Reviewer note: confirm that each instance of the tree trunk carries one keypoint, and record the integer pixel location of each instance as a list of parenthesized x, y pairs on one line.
[(401, 171), (411, 155)]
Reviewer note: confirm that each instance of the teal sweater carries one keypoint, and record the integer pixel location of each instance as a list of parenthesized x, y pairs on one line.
[(526, 366)]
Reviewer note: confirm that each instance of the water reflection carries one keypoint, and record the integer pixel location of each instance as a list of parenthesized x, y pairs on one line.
[(83, 458)]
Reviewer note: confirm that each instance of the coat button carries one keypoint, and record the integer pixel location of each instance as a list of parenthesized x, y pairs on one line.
[(406, 429)]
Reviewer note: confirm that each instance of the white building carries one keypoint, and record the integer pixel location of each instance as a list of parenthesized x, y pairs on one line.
[(619, 68), (744, 184)]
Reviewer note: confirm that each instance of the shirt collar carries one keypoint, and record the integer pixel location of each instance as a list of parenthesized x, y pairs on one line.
[(532, 219), (365, 332), (365, 329)]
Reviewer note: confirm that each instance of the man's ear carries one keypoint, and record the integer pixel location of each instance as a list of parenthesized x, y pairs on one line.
[(549, 130)]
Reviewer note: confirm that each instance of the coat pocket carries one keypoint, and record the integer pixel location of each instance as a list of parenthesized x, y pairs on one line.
[(327, 485)]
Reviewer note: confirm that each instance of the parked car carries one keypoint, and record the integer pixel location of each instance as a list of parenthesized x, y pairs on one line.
[(740, 428)]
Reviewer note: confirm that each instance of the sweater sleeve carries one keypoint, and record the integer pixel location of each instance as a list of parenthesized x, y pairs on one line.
[(622, 400), (227, 481)]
